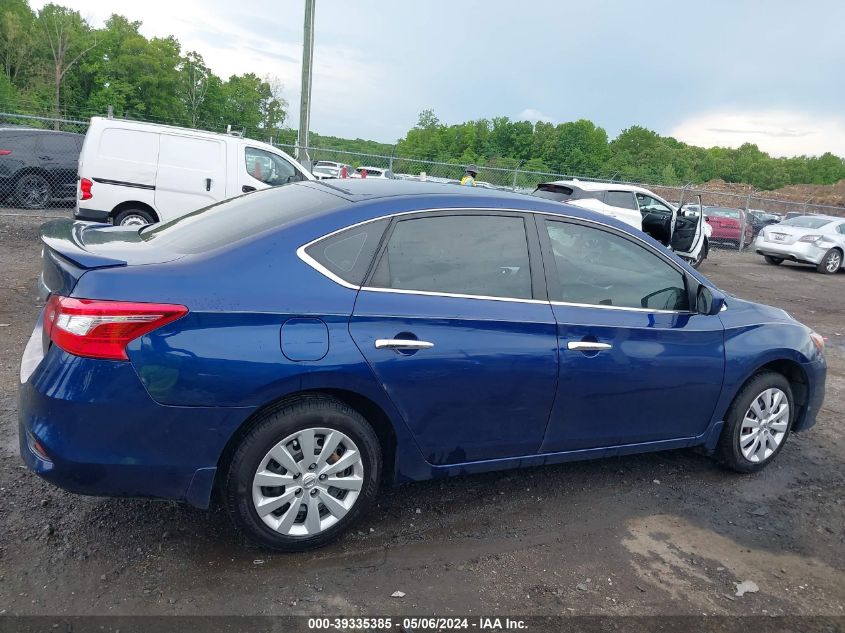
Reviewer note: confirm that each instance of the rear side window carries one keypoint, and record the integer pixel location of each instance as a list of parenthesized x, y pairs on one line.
[(348, 254), (621, 199), (59, 144), (557, 193), (480, 255)]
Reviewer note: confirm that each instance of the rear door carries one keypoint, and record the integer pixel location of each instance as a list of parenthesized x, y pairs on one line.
[(191, 174), (456, 327)]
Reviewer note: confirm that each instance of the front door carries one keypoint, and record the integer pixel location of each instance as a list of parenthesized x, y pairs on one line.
[(454, 326), (636, 365)]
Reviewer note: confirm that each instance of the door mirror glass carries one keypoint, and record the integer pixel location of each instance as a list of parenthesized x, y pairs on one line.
[(708, 301)]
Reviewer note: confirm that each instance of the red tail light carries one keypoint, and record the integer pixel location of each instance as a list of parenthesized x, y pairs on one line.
[(85, 189), (5, 152), (103, 329)]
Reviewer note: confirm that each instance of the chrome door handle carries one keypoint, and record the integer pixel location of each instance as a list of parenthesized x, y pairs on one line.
[(588, 346), (402, 343)]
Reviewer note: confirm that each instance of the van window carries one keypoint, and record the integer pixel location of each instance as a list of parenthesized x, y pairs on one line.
[(132, 145), (269, 168)]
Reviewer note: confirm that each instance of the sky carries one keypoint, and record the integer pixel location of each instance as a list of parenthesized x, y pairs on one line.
[(720, 72)]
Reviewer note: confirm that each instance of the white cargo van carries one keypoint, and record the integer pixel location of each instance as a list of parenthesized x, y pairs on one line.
[(139, 173)]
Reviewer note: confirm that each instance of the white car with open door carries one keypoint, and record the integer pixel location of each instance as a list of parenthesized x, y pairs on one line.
[(133, 173), (684, 232)]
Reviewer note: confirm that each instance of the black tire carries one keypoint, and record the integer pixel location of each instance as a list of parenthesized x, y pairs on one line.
[(273, 427), (774, 261), (134, 217), (728, 451), (33, 191), (831, 262)]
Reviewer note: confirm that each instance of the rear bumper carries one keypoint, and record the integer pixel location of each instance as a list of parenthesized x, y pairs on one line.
[(98, 432), (798, 252), (91, 215)]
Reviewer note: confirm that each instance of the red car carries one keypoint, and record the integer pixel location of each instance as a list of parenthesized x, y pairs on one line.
[(728, 225)]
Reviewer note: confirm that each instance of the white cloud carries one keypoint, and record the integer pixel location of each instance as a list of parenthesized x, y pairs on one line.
[(530, 114), (779, 133)]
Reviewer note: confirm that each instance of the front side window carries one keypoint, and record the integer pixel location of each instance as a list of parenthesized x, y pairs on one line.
[(597, 267), (650, 204), (481, 255), (841, 228), (348, 253), (269, 168)]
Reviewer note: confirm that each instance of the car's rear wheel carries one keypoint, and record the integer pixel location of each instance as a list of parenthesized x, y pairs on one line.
[(757, 424), (32, 191), (303, 474), (134, 217), (831, 262), (774, 261)]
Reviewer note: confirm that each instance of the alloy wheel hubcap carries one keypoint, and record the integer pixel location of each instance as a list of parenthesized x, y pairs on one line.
[(833, 261), (36, 193), (764, 425), (308, 482)]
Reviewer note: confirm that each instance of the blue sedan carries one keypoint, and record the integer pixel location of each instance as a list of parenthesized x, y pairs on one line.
[(295, 347)]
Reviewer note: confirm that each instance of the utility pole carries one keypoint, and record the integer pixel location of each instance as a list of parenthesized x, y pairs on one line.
[(305, 97)]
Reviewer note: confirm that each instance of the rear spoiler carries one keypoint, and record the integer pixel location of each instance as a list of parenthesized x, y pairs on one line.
[(65, 238)]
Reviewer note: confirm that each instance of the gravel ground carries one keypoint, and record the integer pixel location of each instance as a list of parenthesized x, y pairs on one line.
[(667, 533)]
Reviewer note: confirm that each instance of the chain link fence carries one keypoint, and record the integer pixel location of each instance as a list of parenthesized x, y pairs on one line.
[(39, 156)]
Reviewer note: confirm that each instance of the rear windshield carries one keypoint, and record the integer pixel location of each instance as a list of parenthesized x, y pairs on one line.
[(722, 213), (806, 222), (233, 220), (557, 193)]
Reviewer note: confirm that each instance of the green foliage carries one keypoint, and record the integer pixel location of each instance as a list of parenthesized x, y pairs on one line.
[(580, 148), (53, 61)]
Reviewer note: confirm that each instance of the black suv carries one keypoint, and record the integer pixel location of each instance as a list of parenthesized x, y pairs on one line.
[(38, 166)]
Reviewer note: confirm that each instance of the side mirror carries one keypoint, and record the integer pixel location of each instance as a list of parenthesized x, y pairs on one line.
[(709, 301)]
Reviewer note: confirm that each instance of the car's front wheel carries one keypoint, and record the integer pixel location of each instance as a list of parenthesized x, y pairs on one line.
[(303, 474), (774, 261), (757, 423), (831, 262)]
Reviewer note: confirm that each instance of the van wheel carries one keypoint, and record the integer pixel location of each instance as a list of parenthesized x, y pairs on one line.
[(303, 474), (134, 217), (32, 191), (757, 424)]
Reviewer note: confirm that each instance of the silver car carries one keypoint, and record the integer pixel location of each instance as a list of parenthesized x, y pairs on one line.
[(808, 239)]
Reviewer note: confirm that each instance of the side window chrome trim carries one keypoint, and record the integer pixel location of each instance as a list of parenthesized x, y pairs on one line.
[(625, 308), (305, 257), (429, 293)]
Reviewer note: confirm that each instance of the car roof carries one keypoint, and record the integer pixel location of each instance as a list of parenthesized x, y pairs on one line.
[(587, 185)]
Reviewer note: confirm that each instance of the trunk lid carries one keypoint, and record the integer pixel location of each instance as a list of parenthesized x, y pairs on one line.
[(73, 248), (781, 234)]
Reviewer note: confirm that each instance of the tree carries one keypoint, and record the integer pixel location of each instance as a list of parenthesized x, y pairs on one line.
[(16, 22), (68, 38), (194, 80)]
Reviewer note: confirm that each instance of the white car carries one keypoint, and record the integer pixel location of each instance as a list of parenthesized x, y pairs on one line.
[(818, 240), (374, 172), (133, 173), (324, 169), (684, 232)]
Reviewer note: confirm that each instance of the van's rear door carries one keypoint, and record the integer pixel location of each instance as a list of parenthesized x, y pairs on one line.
[(191, 174)]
